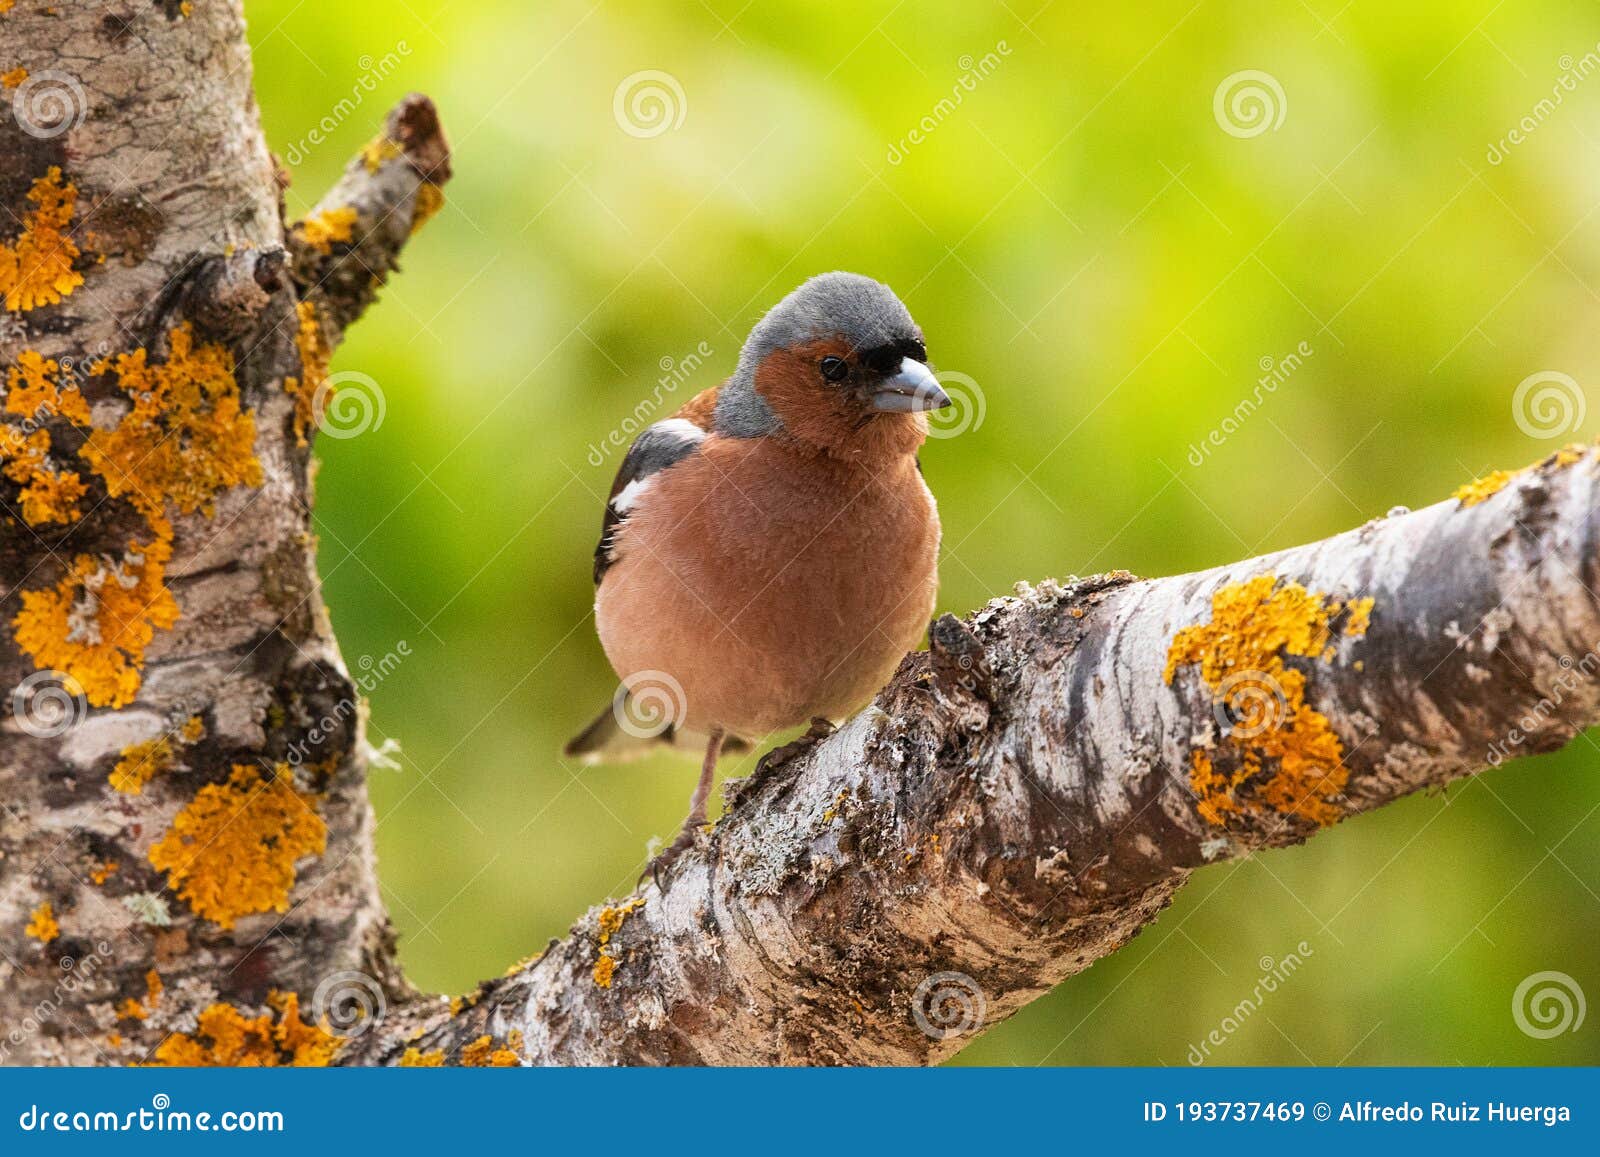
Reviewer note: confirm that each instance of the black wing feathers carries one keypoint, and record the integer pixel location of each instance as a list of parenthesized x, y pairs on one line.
[(659, 446)]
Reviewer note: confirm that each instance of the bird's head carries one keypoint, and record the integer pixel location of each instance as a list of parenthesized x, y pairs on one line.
[(837, 364)]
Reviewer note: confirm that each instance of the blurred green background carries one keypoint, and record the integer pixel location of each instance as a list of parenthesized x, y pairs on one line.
[(1080, 235)]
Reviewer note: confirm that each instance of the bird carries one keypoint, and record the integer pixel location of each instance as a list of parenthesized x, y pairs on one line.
[(769, 553)]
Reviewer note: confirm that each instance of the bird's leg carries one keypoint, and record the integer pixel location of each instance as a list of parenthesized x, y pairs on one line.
[(697, 811)]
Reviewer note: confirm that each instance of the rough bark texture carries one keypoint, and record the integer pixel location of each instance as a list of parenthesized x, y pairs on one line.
[(178, 193), (1020, 801)]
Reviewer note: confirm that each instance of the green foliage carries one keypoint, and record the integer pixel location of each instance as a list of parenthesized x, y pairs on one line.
[(1081, 238)]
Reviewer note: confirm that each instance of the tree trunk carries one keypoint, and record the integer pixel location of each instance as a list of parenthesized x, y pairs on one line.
[(186, 840)]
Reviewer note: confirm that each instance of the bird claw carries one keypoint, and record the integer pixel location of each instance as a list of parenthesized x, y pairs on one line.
[(668, 856)]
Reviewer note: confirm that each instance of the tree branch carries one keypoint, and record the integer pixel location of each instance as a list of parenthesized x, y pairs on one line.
[(1024, 798), (187, 842), (346, 247)]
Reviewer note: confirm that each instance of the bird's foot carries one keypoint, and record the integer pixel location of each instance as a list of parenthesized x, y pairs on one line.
[(737, 789), (819, 730), (669, 855)]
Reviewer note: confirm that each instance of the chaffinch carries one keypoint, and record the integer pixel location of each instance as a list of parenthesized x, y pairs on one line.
[(769, 552)]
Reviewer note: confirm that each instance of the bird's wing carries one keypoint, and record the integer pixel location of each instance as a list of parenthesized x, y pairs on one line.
[(657, 447)]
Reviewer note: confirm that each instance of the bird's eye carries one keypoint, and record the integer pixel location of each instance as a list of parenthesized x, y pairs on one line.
[(834, 369)]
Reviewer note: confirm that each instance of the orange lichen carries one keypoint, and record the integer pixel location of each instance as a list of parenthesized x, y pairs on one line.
[(13, 78), (134, 1009), (1286, 755), (142, 762), (33, 392), (48, 494), (104, 872), (414, 1058), (186, 439), (429, 200), (1477, 490), (36, 268), (97, 621), (227, 1037), (36, 388), (377, 151), (314, 357), (42, 924), (1492, 483), (1360, 617), (322, 230), (484, 1053), (612, 919), (232, 850)]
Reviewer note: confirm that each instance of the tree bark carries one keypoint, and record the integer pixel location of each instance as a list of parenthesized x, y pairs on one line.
[(186, 869)]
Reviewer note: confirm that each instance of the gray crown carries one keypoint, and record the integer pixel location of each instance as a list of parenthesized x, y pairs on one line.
[(866, 313)]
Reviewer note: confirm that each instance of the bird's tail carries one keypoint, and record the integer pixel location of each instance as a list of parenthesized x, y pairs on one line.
[(607, 740)]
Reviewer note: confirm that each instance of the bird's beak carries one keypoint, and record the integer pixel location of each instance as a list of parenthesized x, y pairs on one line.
[(914, 388)]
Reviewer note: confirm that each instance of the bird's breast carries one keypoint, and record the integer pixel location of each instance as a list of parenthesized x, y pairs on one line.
[(771, 585)]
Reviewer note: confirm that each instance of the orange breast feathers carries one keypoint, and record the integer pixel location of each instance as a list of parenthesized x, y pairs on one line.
[(774, 583)]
